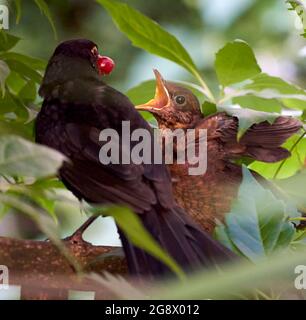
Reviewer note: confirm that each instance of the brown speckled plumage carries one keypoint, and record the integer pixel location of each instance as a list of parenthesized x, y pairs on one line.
[(208, 197)]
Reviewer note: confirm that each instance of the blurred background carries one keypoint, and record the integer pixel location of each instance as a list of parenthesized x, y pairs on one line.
[(201, 25)]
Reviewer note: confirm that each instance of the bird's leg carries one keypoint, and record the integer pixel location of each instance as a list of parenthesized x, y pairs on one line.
[(84, 226), (77, 236)]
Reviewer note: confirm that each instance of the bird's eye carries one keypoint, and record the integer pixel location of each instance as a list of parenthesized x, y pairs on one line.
[(94, 51), (180, 100)]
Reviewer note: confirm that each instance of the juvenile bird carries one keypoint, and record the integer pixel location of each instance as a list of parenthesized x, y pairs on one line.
[(77, 106), (208, 197)]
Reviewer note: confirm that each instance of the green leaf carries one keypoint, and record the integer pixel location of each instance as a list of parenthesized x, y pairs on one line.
[(44, 8), (15, 82), (39, 194), (300, 8), (220, 233), (147, 34), (28, 92), (34, 63), (3, 210), (235, 63), (18, 10), (12, 108), (208, 108), (142, 93), (4, 73), (294, 188), (277, 86), (270, 88), (294, 104), (235, 281), (285, 168), (132, 227), (260, 104), (24, 70), (7, 41), (248, 117), (15, 128), (19, 157), (257, 223)]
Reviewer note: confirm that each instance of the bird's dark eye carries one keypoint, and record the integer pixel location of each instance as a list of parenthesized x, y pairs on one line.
[(180, 100)]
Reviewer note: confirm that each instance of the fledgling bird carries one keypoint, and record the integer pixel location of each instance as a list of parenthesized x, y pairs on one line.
[(77, 106), (208, 197)]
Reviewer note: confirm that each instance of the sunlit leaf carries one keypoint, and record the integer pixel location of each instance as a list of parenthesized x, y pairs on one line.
[(285, 168), (19, 157), (248, 117), (269, 93), (147, 34), (264, 81), (260, 104), (269, 87), (235, 62), (299, 7)]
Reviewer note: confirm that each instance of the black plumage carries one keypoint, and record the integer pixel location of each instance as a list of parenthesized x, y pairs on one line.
[(77, 106)]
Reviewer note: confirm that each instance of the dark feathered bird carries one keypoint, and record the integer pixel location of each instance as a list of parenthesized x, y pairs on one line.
[(208, 197), (77, 106)]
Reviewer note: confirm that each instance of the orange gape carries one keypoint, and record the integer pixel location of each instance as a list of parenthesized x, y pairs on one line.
[(208, 197)]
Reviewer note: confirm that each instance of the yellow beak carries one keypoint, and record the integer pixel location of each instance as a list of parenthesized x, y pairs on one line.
[(161, 99)]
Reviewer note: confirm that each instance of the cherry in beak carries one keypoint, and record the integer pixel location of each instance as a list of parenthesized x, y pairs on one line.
[(161, 99), (105, 65)]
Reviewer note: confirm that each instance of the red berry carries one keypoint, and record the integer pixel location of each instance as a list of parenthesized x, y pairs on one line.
[(105, 65)]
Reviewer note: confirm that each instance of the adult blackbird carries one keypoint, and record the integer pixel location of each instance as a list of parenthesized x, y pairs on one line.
[(77, 106), (207, 197)]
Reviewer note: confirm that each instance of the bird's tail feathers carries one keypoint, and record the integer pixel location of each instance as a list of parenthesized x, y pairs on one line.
[(181, 238)]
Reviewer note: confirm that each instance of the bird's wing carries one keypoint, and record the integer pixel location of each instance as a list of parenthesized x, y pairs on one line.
[(262, 141), (87, 176)]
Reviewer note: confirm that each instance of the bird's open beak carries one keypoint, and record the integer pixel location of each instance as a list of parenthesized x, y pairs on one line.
[(161, 99)]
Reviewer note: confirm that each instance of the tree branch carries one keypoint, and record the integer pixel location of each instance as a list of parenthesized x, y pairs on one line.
[(43, 273)]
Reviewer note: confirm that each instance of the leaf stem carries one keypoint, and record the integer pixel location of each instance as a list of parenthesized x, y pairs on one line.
[(291, 150), (207, 91), (297, 219)]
